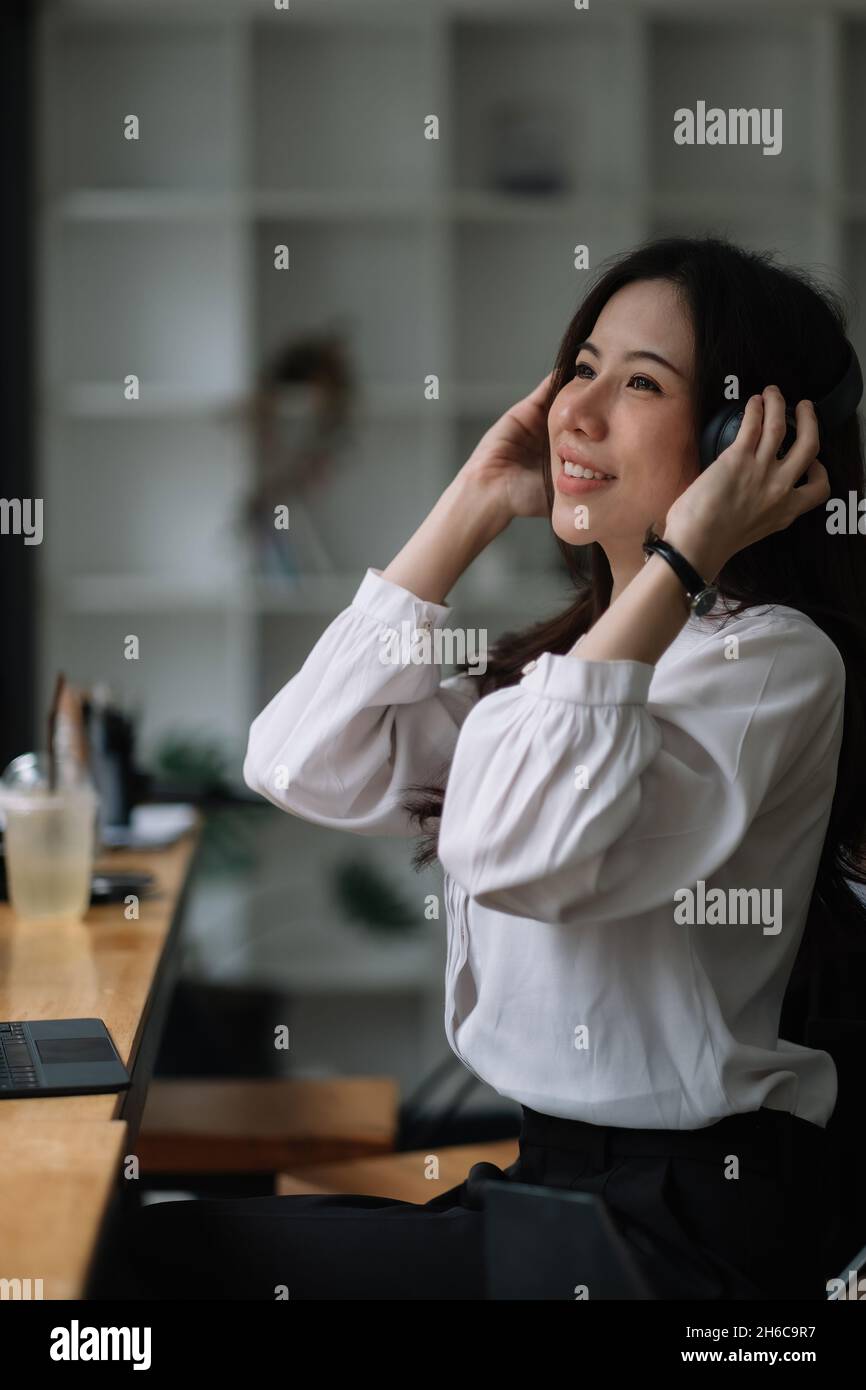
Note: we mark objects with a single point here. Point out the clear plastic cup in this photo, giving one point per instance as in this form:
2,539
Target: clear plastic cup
49,838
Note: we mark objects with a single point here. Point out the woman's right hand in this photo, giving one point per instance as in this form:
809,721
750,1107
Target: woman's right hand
508,458
500,480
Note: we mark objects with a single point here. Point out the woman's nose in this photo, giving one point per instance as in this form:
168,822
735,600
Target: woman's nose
580,408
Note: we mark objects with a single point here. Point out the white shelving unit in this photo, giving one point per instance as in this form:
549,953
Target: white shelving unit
306,127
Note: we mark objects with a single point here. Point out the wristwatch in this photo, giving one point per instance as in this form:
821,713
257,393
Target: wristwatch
701,596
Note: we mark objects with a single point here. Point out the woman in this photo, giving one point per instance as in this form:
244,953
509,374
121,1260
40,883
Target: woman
607,798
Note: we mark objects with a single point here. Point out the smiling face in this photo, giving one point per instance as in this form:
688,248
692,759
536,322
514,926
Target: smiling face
627,415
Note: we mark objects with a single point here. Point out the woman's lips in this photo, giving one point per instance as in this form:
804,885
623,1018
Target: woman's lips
575,487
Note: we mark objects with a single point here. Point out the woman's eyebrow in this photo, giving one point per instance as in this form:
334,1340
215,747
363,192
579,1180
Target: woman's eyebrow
629,356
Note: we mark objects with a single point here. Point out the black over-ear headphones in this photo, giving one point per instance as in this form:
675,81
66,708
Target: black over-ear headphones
831,411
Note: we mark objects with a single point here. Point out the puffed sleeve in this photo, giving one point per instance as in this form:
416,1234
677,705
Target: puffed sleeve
570,801
360,720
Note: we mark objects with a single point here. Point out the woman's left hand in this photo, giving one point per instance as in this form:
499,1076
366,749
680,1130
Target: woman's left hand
747,493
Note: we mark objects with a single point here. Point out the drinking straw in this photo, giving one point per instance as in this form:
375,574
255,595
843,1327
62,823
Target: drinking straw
52,722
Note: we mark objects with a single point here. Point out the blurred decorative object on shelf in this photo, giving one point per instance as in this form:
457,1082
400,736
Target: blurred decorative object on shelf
524,143
366,897
300,413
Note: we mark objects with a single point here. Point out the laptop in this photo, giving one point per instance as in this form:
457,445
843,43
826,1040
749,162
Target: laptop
551,1243
59,1057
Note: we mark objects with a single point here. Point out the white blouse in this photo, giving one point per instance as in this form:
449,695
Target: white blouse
603,826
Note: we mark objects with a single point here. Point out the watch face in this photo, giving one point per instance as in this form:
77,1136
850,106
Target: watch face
704,601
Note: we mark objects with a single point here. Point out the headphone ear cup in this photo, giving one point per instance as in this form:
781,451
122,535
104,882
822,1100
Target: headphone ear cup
723,428
718,433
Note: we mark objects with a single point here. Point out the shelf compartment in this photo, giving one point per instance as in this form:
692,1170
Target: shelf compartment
172,77
370,279
567,104
143,300
751,64
162,503
372,137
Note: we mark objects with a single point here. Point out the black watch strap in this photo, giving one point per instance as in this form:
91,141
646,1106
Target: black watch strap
701,595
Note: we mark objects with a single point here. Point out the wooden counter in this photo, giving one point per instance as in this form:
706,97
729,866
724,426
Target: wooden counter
61,1155
58,1179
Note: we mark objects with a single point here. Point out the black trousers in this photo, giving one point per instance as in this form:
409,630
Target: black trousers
744,1209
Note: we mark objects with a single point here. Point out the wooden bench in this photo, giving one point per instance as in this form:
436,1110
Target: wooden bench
208,1125
401,1175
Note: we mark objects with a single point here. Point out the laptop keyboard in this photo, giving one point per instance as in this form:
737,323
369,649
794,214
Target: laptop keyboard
17,1069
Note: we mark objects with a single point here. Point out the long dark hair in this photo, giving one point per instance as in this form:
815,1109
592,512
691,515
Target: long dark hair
765,323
